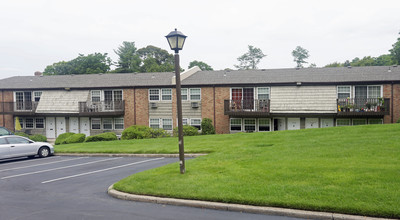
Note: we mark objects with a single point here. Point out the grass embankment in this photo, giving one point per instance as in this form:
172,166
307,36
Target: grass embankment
354,170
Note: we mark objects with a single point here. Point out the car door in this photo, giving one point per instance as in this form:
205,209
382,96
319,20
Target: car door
4,148
20,146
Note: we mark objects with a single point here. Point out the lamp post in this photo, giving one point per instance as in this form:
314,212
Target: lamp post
176,40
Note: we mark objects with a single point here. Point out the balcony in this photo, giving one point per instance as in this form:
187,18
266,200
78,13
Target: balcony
253,107
363,107
104,108
19,108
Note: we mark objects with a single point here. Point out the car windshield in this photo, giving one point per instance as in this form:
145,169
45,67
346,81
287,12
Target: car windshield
4,131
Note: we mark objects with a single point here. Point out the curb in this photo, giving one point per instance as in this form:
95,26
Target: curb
127,155
236,207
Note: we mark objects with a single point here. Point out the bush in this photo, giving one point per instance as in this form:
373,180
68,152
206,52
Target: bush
62,137
38,138
22,134
207,126
75,138
136,132
158,133
187,131
108,136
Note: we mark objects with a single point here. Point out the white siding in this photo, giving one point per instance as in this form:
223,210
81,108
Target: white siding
303,99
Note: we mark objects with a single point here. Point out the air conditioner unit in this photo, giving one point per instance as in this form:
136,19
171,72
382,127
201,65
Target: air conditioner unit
153,105
195,104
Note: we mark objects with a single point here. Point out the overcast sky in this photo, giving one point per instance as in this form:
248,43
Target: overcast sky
38,33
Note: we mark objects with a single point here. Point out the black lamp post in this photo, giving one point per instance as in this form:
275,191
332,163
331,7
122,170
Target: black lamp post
176,40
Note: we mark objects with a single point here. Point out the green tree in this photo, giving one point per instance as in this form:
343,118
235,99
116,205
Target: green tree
92,63
395,51
334,64
155,59
300,54
251,59
128,61
203,66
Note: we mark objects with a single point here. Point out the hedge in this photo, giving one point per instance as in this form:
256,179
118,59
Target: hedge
187,131
108,136
62,137
75,138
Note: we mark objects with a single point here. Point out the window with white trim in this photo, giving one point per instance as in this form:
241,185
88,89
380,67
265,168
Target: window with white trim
343,122
166,94
359,121
29,123
263,93
343,92
96,95
154,94
374,92
249,124
154,123
36,95
195,94
195,122
184,94
96,123
167,124
236,124
119,123
39,123
107,124
264,124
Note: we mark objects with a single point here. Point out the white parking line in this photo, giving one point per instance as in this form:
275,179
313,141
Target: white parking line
25,161
102,170
59,168
35,165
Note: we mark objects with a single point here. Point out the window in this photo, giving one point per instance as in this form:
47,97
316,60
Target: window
21,122
154,94
167,124
119,124
3,141
342,122
344,92
36,95
166,94
264,124
359,121
263,93
374,91
96,95
117,95
96,123
195,122
375,121
39,122
185,121
29,123
195,94
107,124
17,140
154,123
23,100
184,94
249,125
236,124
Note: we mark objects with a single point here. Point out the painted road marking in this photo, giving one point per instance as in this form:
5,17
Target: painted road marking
59,168
35,165
25,161
102,170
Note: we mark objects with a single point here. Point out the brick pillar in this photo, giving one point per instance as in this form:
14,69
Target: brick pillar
221,120
142,106
129,117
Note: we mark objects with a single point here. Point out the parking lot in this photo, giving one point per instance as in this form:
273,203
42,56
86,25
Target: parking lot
69,187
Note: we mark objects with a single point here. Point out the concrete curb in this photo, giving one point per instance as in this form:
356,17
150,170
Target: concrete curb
236,207
127,155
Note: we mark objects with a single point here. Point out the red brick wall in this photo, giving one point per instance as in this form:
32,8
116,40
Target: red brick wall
129,117
142,107
221,120
395,112
6,120
207,103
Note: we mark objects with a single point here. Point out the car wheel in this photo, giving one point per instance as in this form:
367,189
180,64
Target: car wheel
44,152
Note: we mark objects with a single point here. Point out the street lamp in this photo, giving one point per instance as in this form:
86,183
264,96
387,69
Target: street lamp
176,40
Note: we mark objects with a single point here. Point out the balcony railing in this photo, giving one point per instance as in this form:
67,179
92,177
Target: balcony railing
19,108
363,106
246,107
102,108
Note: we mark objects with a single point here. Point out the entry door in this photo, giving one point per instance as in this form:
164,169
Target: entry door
293,123
279,124
50,127
60,122
74,125
84,126
248,98
312,123
326,122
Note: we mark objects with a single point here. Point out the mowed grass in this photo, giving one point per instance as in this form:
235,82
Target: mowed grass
353,170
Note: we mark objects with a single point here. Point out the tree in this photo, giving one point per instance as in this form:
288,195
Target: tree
251,59
155,59
395,51
300,54
129,61
203,66
92,63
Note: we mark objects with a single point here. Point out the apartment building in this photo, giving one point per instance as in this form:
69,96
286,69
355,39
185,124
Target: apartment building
236,100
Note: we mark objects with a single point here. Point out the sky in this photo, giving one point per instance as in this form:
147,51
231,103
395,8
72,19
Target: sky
35,34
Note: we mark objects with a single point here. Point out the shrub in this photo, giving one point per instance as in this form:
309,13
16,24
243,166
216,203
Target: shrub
158,133
187,131
136,132
108,136
75,138
22,134
207,126
38,138
61,138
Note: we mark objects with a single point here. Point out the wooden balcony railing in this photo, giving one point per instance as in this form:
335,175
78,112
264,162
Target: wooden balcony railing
363,106
101,108
22,108
246,107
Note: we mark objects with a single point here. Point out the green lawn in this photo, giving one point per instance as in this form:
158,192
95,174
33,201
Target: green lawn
353,170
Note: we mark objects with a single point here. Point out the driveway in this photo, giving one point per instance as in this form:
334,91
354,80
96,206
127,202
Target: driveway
62,187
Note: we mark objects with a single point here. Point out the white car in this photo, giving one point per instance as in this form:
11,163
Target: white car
17,146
